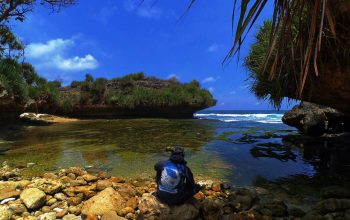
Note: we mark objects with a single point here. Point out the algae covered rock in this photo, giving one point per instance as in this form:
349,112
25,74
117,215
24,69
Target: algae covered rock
33,198
5,213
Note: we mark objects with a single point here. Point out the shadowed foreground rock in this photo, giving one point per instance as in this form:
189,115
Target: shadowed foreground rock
312,119
74,194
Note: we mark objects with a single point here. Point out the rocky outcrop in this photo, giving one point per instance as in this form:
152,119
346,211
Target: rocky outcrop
312,119
43,119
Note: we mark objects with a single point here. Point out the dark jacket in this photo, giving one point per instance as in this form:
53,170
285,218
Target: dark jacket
186,187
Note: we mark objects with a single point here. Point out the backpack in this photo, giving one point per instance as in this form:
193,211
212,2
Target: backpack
172,177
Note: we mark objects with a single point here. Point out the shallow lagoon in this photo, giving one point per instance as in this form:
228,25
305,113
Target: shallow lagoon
236,152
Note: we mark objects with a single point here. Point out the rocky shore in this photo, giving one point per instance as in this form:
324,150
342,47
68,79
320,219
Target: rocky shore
73,194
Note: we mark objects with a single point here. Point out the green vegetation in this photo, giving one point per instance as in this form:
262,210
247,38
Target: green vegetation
262,86
137,90
22,83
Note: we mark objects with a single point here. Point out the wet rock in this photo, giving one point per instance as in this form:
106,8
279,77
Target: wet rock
103,184
49,186
199,196
47,216
275,208
78,171
332,205
105,201
125,190
50,176
5,213
212,209
243,199
335,192
216,187
314,119
73,182
33,198
89,178
71,217
206,184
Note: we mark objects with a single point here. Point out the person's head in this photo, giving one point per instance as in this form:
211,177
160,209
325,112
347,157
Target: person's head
178,151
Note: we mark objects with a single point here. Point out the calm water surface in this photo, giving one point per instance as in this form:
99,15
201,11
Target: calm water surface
238,147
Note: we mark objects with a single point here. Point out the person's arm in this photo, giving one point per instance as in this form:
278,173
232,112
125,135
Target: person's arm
189,178
158,167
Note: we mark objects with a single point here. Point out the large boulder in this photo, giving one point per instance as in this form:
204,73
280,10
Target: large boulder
151,208
33,198
312,119
105,201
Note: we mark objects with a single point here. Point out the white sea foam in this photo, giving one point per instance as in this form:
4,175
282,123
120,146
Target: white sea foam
272,118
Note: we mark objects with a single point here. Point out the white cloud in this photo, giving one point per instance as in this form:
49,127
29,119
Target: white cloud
173,76
214,47
105,14
144,10
76,63
53,55
37,50
210,79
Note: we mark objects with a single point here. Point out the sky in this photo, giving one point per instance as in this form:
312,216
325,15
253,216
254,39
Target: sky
112,38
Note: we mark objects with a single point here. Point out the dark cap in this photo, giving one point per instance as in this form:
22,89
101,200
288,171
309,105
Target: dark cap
178,151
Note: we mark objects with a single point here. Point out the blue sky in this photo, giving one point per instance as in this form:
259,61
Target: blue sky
114,38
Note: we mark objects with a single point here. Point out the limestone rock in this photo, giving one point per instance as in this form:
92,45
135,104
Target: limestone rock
9,193
151,208
71,217
47,216
105,201
33,198
112,216
49,186
5,213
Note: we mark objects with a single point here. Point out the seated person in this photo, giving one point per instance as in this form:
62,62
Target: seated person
174,179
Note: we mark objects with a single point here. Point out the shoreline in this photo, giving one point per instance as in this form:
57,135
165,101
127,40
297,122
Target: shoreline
74,193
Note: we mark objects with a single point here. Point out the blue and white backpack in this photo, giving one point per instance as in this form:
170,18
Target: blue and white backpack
172,177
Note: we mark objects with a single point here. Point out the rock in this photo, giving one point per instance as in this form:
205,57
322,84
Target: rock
103,184
199,196
17,207
126,190
216,187
76,210
76,171
50,176
335,192
9,193
332,205
275,208
296,212
71,217
62,213
5,213
89,178
60,196
49,186
33,198
74,200
151,208
112,216
314,119
133,202
105,201
51,201
212,209
206,184
36,119
123,212
45,209
243,199
47,216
